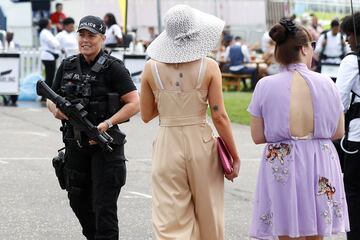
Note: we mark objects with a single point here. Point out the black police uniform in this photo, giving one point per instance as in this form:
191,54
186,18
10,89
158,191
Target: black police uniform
94,177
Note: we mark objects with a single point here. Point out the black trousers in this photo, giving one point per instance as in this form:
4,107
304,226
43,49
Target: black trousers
93,180
49,71
352,189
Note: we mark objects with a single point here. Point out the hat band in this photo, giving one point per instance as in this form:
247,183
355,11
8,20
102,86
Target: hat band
184,38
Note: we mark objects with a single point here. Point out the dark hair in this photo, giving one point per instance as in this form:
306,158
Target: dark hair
58,4
289,38
237,38
68,21
43,23
334,23
347,25
111,19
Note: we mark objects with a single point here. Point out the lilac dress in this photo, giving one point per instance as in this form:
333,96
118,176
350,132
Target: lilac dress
300,190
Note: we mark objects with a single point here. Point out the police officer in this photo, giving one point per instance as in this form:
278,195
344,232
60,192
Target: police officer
94,177
348,83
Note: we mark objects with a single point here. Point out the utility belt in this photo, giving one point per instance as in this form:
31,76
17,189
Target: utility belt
74,137
325,57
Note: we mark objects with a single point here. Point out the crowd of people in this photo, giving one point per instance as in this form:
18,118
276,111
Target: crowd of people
257,59
300,192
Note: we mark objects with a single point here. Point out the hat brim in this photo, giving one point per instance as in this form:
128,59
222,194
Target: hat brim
88,29
164,49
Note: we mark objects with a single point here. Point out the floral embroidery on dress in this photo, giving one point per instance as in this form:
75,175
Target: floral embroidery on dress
326,214
267,218
278,151
325,188
326,147
334,207
337,209
279,168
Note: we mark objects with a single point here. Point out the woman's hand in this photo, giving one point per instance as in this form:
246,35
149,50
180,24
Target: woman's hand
55,111
235,172
59,114
102,127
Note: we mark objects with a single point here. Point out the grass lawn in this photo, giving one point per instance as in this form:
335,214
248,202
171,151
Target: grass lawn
236,104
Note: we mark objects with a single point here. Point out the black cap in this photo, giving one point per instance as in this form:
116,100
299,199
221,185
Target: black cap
92,24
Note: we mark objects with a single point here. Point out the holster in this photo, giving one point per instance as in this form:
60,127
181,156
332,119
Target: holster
59,164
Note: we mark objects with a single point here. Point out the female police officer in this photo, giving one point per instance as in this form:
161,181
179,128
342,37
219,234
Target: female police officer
94,177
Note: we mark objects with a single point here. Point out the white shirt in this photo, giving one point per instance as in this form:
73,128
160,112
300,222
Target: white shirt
68,42
111,32
265,41
333,47
348,80
48,42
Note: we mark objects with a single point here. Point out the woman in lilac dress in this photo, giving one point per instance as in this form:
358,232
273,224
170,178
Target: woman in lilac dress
300,192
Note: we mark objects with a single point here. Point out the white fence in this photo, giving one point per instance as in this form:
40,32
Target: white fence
29,61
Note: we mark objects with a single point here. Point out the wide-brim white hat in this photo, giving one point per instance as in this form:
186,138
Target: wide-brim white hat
188,36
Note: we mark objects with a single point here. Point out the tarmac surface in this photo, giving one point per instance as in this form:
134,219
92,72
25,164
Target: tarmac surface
33,207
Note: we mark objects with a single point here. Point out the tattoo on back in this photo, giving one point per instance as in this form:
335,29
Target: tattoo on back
215,108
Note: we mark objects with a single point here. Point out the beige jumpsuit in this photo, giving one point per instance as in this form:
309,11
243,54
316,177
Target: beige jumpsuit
187,178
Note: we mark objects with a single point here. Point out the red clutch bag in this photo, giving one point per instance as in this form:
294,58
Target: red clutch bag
224,156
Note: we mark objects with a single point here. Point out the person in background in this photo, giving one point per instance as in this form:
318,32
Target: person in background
331,47
178,84
94,177
237,55
67,38
10,44
113,34
50,48
348,83
152,36
315,26
265,41
300,191
272,67
57,17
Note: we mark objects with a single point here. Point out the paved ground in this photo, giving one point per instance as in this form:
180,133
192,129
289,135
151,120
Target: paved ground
32,206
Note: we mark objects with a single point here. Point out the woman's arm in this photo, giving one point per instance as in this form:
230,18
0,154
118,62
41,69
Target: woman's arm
257,130
148,107
219,115
130,108
340,130
55,111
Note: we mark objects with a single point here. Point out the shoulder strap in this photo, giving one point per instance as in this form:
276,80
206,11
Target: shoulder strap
156,75
342,44
325,38
202,71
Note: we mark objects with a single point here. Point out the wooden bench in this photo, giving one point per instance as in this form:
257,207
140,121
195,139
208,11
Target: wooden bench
233,80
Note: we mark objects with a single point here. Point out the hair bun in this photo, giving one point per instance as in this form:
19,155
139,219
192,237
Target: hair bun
278,33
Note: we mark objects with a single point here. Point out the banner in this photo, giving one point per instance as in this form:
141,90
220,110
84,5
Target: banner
9,73
123,10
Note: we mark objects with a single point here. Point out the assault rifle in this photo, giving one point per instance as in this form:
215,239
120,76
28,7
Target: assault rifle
77,116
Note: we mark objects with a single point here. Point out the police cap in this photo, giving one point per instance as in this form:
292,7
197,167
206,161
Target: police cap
93,24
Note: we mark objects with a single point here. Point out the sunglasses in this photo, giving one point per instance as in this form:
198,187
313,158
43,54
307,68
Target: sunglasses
313,44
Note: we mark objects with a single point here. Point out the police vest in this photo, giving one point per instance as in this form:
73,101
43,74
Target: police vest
89,88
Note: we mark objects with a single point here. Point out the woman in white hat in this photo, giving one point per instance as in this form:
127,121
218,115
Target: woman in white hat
177,84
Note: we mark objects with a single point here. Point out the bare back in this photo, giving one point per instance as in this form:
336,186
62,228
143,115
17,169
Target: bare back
301,107
182,76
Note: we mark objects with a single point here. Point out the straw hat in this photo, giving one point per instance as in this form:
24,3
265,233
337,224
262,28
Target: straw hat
188,36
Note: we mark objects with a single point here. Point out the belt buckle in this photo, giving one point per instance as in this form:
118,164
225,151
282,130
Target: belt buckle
79,144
